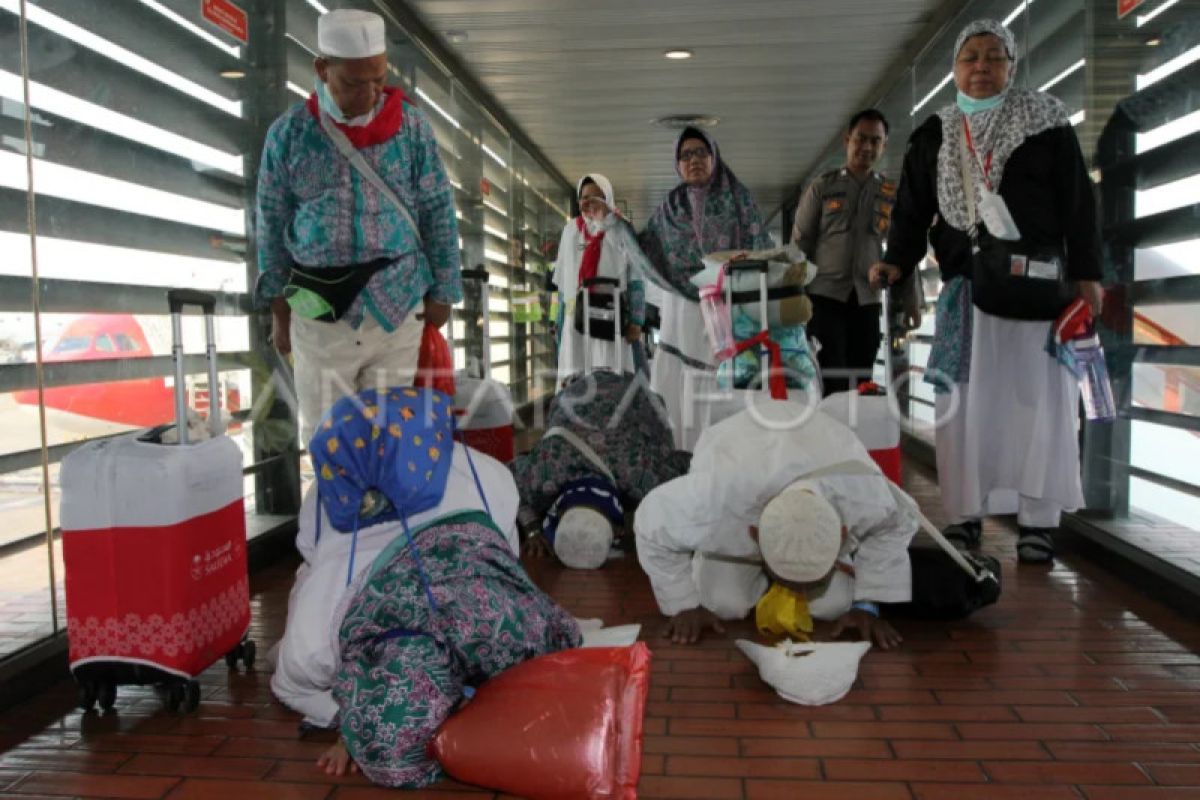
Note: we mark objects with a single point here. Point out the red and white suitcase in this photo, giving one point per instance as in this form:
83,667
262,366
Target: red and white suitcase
154,543
484,406
870,417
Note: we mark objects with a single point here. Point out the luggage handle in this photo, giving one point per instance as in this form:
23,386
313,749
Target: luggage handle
480,275
176,300
748,265
617,285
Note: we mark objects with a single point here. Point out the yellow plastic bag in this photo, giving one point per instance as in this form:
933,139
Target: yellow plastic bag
783,612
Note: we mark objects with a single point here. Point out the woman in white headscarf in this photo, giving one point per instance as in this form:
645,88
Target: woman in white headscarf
597,244
998,183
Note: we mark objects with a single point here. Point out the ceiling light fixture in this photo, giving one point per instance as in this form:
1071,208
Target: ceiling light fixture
232,74
678,54
681,121
1154,41
456,37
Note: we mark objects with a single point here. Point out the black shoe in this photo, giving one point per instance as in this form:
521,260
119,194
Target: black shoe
964,535
1035,545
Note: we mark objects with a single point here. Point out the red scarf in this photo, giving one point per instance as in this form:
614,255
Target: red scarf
590,264
385,124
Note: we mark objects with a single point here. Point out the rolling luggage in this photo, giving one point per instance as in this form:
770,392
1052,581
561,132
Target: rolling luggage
484,406
872,412
154,543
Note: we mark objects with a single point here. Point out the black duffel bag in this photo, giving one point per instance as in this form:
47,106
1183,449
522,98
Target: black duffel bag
943,589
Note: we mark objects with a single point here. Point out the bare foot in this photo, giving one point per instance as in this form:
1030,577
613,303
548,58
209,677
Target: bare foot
336,760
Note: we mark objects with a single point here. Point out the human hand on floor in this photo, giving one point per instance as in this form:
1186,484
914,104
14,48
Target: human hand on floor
534,547
686,627
870,629
336,760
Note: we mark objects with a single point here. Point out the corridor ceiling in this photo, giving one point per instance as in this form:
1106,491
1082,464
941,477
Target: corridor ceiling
586,78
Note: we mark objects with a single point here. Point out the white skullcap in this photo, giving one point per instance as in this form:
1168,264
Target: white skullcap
800,534
349,33
583,538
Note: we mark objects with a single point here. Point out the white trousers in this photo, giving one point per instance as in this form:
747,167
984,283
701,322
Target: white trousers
333,360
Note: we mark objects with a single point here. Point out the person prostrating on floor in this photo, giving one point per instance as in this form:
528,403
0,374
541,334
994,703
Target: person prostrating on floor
778,497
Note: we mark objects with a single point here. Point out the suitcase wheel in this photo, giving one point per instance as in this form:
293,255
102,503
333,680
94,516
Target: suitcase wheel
108,696
88,694
246,651
93,692
185,696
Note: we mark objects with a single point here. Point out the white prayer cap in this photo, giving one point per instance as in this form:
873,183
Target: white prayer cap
583,538
349,33
800,534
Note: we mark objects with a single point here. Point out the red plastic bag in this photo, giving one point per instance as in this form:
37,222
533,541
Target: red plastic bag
563,726
435,362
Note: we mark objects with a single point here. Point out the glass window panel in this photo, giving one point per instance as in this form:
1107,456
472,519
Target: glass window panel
1167,387
1167,324
1168,261
1153,500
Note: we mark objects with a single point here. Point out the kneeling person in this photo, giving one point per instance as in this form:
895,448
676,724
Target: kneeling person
429,599
778,493
607,444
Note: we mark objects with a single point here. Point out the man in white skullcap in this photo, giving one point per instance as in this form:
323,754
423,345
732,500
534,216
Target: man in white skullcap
352,256
778,493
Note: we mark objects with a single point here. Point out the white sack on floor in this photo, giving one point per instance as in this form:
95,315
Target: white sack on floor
811,674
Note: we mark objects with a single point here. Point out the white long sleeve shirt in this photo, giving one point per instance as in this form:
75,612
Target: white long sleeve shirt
739,465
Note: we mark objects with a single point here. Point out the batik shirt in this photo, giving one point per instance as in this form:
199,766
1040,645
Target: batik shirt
315,210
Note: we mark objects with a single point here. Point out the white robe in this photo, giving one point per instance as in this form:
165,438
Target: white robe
614,263
308,656
740,464
1011,445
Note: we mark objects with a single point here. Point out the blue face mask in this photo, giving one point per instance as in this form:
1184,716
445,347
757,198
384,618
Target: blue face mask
325,101
970,105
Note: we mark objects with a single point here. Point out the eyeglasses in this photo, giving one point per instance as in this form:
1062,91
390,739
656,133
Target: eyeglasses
700,153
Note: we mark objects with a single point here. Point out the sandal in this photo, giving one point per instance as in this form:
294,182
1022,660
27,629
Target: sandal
1034,545
964,535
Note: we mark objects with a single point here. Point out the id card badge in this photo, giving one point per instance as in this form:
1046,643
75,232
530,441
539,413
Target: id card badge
995,215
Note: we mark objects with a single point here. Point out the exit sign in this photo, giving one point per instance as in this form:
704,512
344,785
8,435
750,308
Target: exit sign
228,17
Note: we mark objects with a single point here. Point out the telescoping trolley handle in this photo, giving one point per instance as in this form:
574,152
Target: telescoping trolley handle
617,287
177,299
761,267
888,377
481,275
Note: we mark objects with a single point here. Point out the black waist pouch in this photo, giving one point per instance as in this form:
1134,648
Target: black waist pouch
1017,280
325,294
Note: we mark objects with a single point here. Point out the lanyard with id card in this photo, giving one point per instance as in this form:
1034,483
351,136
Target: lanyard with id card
992,208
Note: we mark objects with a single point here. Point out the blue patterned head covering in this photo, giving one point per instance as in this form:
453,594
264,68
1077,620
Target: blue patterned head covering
593,492
396,442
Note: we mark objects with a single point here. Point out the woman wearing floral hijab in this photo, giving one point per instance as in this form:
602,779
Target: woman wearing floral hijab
710,211
1000,171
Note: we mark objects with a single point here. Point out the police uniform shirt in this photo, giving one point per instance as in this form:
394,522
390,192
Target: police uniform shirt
841,224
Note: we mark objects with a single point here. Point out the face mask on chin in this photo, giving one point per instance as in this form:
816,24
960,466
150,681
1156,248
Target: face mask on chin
327,105
970,105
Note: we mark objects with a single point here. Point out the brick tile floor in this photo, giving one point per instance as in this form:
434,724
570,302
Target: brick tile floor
1074,686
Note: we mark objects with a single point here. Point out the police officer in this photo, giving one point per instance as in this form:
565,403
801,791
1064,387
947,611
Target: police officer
841,224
